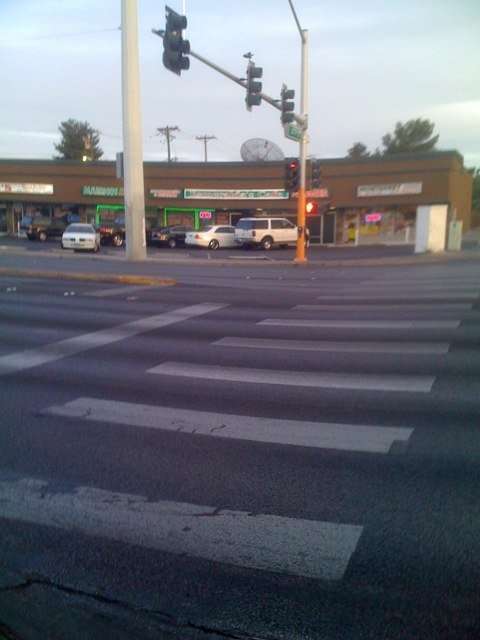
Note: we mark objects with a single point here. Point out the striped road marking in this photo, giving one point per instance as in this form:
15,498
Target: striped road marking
362,324
321,435
395,295
434,307
14,362
434,348
309,548
327,380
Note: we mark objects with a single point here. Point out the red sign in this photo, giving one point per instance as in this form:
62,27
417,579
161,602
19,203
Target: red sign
373,217
314,193
205,215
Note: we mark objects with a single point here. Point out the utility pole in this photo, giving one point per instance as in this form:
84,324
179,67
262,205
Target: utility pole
303,144
205,139
167,132
134,188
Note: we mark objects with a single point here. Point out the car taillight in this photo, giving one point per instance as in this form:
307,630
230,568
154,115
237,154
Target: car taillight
197,236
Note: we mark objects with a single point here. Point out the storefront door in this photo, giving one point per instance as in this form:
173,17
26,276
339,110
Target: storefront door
328,228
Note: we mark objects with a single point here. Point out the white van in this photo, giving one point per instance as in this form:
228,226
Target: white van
265,232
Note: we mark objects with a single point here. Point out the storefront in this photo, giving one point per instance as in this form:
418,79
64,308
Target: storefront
368,201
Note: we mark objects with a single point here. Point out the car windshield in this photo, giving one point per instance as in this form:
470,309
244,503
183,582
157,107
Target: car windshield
80,228
206,229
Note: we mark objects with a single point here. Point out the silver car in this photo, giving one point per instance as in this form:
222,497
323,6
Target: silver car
81,237
214,237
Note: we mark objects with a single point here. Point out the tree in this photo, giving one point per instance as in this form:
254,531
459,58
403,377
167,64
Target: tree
475,188
358,151
412,137
79,141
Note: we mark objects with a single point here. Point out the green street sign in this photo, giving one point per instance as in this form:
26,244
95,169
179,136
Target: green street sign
292,132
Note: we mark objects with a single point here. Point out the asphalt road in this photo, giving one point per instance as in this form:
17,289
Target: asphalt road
255,453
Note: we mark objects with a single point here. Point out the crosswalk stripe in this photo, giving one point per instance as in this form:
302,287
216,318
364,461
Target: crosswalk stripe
14,362
321,435
434,307
326,380
419,287
395,295
434,348
362,324
300,547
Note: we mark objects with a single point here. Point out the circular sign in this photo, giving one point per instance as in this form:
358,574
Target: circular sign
205,215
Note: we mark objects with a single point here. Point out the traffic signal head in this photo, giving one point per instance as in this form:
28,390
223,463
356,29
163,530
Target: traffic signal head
254,88
292,175
311,207
174,46
288,106
316,174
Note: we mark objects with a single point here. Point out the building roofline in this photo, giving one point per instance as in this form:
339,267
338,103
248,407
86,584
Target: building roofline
395,157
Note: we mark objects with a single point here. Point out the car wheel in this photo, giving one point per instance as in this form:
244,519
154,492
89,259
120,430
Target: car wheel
42,236
213,245
267,243
172,243
117,240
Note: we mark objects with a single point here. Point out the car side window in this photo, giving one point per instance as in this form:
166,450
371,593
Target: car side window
287,224
260,224
277,224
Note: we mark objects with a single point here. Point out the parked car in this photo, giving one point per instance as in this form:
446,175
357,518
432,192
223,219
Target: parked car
212,237
42,227
81,237
265,232
170,236
114,232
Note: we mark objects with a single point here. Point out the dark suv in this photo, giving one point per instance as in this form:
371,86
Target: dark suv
114,232
41,227
170,236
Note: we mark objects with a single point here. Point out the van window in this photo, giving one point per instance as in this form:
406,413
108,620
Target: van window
252,224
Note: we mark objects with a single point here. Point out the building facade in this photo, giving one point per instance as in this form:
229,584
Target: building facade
366,201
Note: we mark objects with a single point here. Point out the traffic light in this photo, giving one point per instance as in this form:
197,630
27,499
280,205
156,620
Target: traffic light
316,174
287,105
174,46
254,88
311,207
292,175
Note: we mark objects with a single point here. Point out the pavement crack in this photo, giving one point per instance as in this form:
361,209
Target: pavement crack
222,426
160,616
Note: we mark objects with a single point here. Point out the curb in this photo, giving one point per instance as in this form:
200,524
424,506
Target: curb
91,277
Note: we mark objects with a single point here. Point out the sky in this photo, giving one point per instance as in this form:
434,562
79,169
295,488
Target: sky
372,63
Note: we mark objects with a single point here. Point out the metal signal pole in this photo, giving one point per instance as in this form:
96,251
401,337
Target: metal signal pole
134,189
303,145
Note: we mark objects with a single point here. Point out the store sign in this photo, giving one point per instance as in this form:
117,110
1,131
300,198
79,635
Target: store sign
164,193
373,217
322,192
400,189
205,215
235,194
26,187
103,192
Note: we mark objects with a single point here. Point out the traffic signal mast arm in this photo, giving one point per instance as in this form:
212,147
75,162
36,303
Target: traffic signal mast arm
243,83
